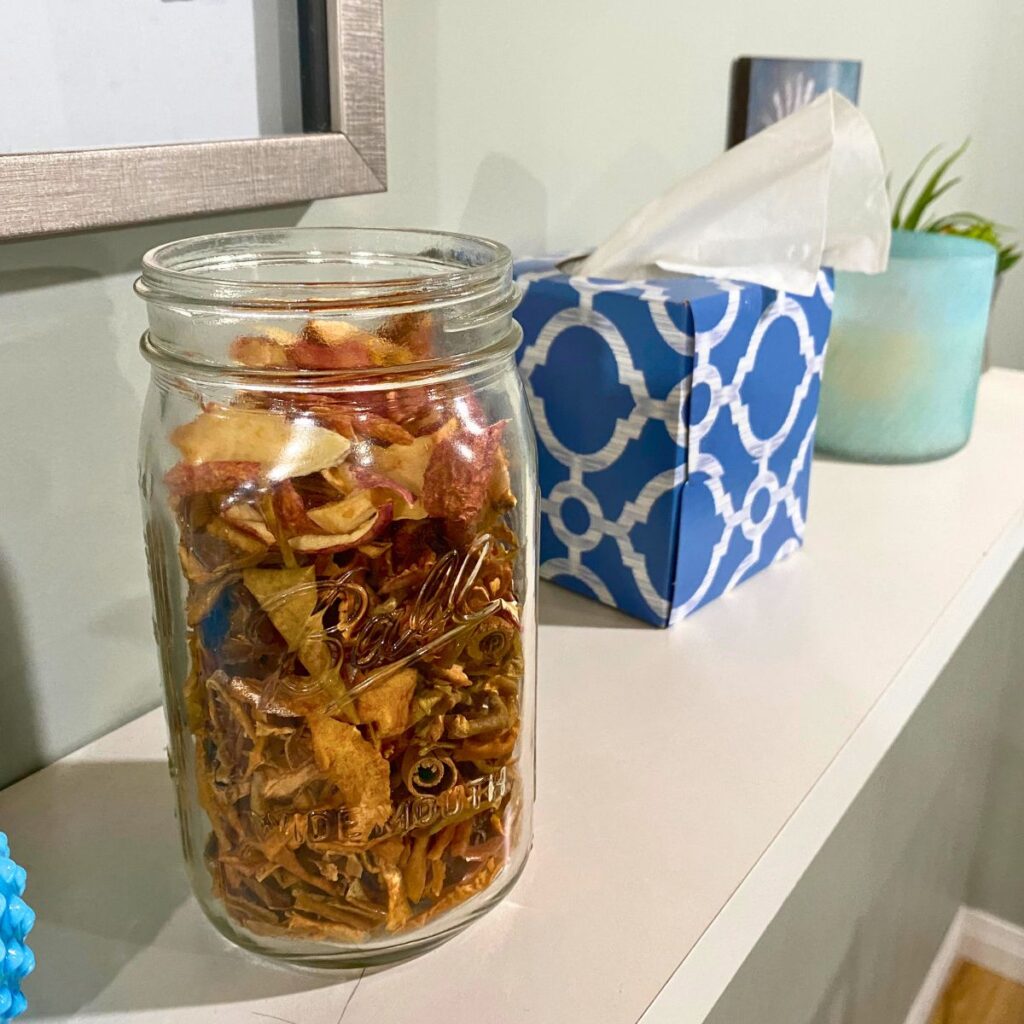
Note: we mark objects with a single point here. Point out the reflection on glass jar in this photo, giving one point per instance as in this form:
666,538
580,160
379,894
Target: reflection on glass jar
338,477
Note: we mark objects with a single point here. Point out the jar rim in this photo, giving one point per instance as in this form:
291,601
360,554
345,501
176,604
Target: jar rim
357,274
215,269
362,379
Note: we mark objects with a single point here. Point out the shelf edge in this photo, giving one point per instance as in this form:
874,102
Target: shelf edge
691,992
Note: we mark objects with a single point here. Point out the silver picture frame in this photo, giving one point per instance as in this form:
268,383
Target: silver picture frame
56,192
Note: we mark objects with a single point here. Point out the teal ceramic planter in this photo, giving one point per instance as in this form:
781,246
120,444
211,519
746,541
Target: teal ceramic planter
905,352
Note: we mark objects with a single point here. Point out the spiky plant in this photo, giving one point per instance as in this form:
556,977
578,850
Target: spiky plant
964,224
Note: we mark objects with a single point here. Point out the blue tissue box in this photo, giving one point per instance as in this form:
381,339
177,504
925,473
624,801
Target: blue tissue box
675,426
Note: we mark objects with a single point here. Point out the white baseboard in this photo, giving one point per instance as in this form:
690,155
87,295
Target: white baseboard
994,944
938,974
974,935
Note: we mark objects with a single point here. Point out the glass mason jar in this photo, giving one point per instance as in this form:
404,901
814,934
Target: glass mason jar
338,477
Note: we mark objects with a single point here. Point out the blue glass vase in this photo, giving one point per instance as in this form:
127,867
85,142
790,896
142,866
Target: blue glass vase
905,351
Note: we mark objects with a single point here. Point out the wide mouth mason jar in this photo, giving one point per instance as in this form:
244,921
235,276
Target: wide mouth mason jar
338,478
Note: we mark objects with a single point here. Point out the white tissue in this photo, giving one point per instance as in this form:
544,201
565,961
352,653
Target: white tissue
807,192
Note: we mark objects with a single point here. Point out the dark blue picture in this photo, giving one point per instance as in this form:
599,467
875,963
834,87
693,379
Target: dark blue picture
767,89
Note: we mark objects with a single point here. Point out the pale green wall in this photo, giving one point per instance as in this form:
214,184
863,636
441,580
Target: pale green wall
76,648
538,122
997,879
545,122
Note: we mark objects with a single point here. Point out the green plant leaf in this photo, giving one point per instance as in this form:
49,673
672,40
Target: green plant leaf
962,223
1008,257
897,213
933,189
912,221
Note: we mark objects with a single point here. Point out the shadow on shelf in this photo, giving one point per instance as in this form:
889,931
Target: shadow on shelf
21,751
117,928
557,606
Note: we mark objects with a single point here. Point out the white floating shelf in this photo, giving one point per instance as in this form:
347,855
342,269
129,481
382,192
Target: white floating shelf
687,778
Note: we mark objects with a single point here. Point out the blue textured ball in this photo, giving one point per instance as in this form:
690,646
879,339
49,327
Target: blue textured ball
16,920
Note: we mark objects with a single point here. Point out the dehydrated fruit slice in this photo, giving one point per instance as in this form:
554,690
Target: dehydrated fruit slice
337,333
386,702
356,768
365,476
241,539
259,351
347,515
283,447
288,596
290,508
366,531
249,519
184,479
413,331
458,476
406,464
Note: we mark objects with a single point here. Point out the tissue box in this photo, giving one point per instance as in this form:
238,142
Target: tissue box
675,426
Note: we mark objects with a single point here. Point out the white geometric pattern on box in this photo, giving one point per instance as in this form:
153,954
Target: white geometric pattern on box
645,408
759,449
627,343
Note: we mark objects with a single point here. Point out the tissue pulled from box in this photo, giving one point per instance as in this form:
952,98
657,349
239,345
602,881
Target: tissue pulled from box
808,192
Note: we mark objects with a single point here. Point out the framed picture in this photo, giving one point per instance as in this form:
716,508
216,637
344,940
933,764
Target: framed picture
143,110
767,89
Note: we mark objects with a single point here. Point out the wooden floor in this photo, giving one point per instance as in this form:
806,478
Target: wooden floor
977,996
